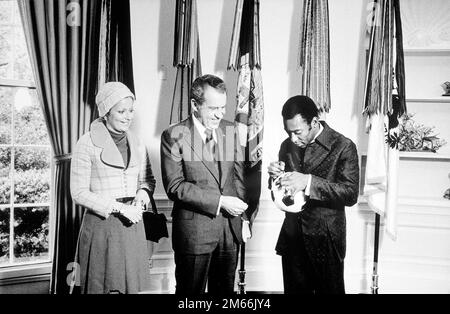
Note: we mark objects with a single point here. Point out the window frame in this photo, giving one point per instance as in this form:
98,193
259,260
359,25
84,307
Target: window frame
16,272
12,205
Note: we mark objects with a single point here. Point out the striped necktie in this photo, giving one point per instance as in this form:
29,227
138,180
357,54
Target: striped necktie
209,142
212,150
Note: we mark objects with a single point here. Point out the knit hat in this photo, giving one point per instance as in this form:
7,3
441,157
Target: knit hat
109,95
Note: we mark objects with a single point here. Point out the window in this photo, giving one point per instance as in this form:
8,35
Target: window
24,151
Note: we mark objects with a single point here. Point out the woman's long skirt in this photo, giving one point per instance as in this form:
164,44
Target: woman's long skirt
113,256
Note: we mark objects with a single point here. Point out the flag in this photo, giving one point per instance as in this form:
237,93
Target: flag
384,104
314,53
249,122
186,57
381,181
249,118
245,56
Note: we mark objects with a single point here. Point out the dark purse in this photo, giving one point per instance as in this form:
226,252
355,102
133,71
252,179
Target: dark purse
155,224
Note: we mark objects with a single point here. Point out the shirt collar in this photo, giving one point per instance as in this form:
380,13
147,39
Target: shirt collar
318,133
327,137
201,129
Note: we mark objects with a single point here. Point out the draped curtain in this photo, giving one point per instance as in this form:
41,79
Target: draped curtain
115,57
63,39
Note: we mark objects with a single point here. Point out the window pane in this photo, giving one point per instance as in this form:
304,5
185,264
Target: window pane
14,60
31,158
29,124
6,36
32,175
5,179
6,12
30,234
4,236
21,124
5,114
21,62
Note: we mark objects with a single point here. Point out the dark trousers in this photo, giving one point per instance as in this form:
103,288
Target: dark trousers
216,269
302,275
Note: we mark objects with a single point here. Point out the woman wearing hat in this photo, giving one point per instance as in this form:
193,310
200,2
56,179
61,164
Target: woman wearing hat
111,177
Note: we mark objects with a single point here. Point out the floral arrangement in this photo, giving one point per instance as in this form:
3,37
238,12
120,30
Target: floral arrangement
417,137
446,87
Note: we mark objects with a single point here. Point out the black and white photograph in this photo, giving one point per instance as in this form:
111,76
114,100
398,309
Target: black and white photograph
227,154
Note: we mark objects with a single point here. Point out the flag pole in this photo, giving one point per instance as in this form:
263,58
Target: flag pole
241,283
245,56
374,287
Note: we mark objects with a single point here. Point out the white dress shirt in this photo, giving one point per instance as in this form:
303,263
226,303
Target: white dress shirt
202,130
246,233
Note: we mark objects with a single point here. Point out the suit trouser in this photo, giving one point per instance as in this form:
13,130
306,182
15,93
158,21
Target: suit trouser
216,269
302,275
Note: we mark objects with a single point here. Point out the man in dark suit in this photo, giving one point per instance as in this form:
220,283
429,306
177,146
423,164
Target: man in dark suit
205,181
324,164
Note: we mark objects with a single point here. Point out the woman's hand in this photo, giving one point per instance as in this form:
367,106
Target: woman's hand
132,212
141,199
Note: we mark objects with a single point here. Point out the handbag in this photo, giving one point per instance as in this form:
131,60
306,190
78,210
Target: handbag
155,224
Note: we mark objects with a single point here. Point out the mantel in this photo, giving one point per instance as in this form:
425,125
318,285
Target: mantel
424,155
427,51
442,99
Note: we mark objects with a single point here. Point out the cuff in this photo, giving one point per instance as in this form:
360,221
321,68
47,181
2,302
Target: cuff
150,193
218,207
308,186
113,207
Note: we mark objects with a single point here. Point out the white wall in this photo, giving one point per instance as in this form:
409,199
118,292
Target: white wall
152,35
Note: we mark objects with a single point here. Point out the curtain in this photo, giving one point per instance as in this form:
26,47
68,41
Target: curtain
63,39
115,57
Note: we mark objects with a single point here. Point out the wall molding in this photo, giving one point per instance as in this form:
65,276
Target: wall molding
25,274
394,269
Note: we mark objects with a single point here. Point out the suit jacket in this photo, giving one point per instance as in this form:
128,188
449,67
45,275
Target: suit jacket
332,160
192,181
98,175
